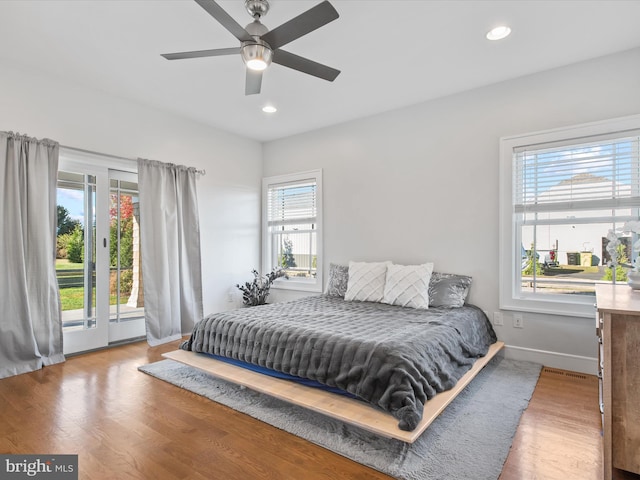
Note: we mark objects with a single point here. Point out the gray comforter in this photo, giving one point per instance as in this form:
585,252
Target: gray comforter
392,357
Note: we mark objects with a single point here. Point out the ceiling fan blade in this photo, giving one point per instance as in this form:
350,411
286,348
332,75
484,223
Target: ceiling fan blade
201,53
225,20
305,65
304,23
253,82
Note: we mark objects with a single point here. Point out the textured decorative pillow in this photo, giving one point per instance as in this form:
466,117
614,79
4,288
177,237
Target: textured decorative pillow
448,289
366,281
408,285
338,280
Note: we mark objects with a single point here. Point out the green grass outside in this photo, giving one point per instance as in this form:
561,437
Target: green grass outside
565,269
64,264
579,268
591,269
73,298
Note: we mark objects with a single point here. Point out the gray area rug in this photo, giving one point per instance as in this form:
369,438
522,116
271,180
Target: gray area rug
469,440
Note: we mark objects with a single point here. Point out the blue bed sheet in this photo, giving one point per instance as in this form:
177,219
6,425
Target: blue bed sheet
285,376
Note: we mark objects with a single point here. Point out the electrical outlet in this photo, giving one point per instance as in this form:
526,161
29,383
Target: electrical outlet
230,296
518,321
497,318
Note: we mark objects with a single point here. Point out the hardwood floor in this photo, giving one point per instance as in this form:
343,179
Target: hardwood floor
560,433
125,424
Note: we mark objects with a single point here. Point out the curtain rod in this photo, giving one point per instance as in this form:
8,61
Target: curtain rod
116,157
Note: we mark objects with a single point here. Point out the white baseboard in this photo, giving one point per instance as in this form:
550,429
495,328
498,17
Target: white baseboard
563,361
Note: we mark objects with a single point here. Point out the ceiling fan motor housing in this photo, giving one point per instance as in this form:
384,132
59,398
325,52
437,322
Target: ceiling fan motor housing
256,29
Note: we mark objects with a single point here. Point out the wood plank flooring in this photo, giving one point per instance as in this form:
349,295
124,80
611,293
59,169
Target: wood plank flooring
127,425
560,433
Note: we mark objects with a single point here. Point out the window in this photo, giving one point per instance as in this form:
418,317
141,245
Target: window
292,229
561,193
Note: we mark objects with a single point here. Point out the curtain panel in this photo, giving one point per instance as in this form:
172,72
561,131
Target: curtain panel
170,245
31,320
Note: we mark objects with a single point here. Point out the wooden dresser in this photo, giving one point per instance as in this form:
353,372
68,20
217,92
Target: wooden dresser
618,327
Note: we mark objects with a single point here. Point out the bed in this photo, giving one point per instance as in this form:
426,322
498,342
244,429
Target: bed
395,359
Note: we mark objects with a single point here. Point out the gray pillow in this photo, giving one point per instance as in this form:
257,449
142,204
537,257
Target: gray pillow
448,289
338,280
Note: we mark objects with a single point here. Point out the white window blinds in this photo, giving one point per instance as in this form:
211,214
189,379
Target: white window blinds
599,174
292,203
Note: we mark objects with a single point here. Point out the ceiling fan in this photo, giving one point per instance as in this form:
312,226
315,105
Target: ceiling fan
259,46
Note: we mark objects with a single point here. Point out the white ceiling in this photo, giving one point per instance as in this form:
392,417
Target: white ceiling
391,53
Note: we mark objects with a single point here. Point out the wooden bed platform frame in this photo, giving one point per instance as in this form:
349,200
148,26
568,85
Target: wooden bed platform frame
333,405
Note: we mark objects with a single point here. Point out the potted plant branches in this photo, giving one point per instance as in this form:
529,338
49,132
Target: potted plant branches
256,292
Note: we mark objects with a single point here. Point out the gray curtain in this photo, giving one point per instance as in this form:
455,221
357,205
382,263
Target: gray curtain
30,320
170,246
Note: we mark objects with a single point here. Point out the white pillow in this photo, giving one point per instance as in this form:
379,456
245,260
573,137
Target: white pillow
408,285
366,281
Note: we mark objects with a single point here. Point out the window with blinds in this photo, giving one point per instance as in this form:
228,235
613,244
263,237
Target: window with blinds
591,176
568,190
292,222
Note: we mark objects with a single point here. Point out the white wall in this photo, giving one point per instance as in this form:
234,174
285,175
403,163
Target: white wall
228,195
421,184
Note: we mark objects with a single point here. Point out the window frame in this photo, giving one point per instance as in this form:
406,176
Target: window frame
293,283
510,265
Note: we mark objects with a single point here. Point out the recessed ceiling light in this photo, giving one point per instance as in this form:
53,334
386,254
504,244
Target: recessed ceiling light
498,33
269,109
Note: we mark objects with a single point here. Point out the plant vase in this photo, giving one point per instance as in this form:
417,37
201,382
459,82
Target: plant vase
633,279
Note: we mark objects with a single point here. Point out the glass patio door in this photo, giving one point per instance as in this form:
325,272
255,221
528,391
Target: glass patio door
126,296
95,255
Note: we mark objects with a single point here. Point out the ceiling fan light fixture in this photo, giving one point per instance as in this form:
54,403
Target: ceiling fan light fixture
256,56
